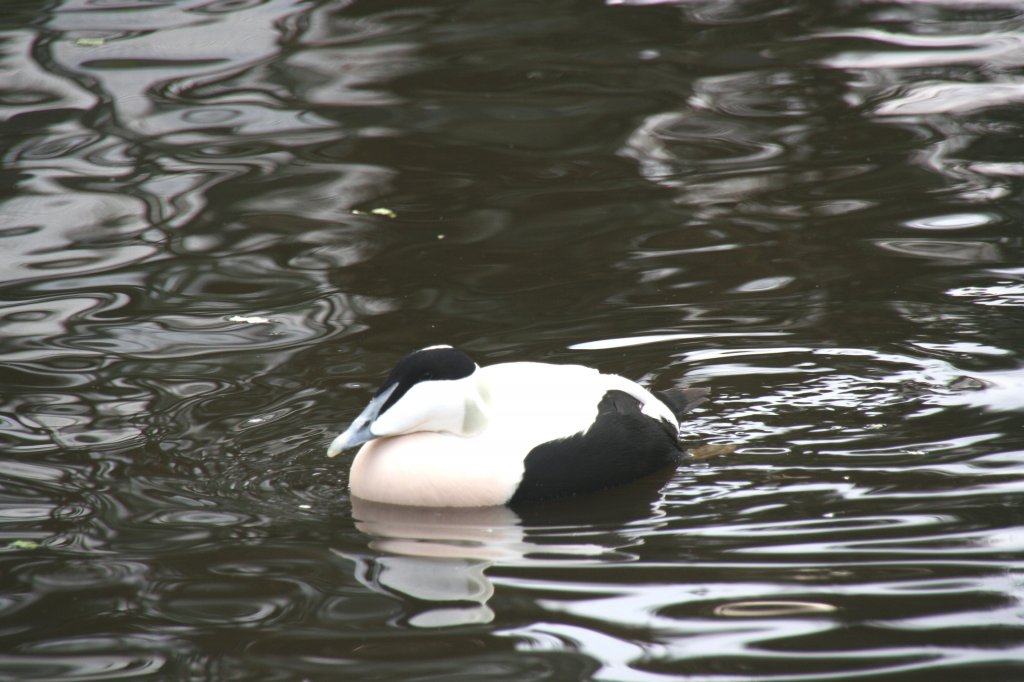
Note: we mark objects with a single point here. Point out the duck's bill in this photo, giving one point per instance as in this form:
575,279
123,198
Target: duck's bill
357,434
361,429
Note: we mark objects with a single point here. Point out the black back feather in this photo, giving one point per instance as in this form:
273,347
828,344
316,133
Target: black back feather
682,400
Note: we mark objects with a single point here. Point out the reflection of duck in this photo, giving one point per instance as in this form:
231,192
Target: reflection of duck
439,557
443,432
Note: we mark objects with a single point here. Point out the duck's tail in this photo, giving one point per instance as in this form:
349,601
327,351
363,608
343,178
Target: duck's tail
682,400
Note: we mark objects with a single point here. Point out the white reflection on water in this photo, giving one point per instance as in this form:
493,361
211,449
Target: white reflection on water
933,49
1004,294
604,344
945,98
952,221
963,251
440,556
436,556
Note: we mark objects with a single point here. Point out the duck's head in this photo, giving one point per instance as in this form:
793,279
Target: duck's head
432,389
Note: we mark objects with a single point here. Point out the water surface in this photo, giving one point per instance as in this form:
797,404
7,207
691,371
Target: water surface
224,221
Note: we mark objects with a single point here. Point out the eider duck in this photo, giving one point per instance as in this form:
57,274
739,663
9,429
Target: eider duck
443,432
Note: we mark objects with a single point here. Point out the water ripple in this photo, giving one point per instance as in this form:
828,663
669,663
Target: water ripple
224,220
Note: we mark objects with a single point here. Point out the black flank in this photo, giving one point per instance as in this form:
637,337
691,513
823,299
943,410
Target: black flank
623,444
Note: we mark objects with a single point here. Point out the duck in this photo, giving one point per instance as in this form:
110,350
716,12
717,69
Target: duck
441,431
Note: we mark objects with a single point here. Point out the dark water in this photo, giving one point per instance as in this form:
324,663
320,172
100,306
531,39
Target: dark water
222,221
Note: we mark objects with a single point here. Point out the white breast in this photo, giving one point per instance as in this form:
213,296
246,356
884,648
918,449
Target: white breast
436,470
530,403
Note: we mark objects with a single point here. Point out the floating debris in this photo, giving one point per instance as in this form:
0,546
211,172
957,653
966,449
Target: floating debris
90,42
23,544
703,452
